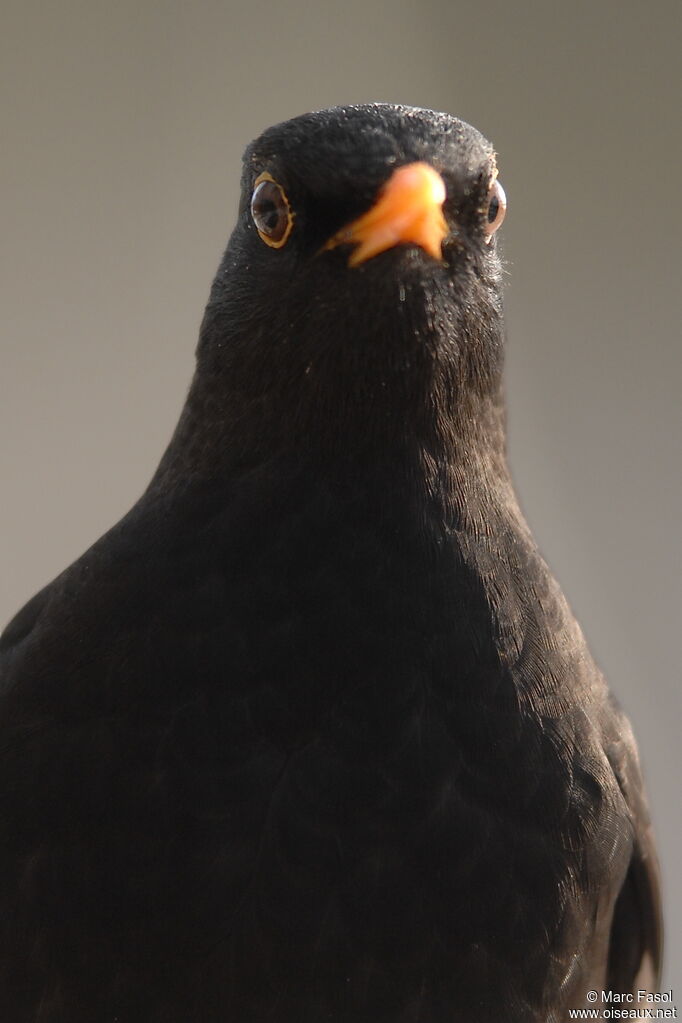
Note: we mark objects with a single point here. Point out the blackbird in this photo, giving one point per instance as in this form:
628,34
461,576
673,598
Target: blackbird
312,734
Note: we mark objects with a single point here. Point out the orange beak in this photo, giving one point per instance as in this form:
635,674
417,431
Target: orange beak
408,211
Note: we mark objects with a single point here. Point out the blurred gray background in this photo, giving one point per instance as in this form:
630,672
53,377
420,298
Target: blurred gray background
121,136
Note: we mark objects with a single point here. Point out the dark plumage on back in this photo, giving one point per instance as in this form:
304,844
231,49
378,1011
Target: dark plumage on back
311,734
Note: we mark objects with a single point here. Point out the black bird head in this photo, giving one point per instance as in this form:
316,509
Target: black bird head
357,306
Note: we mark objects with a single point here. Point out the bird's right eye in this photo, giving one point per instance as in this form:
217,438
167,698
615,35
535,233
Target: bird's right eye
271,211
495,210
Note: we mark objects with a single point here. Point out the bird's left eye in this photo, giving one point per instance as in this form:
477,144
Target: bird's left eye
495,209
271,211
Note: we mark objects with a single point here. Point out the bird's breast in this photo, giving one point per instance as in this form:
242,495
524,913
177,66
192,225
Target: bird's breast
306,739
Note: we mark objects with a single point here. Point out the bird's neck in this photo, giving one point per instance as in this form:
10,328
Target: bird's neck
416,398
452,461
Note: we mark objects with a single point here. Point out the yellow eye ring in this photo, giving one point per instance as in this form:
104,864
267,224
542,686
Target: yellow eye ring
270,211
495,210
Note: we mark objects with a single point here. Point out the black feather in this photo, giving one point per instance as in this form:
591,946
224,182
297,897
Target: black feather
311,734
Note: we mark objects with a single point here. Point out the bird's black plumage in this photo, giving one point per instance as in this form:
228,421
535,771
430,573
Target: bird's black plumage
311,734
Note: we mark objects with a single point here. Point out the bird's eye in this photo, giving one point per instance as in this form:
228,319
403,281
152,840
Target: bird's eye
495,209
271,211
